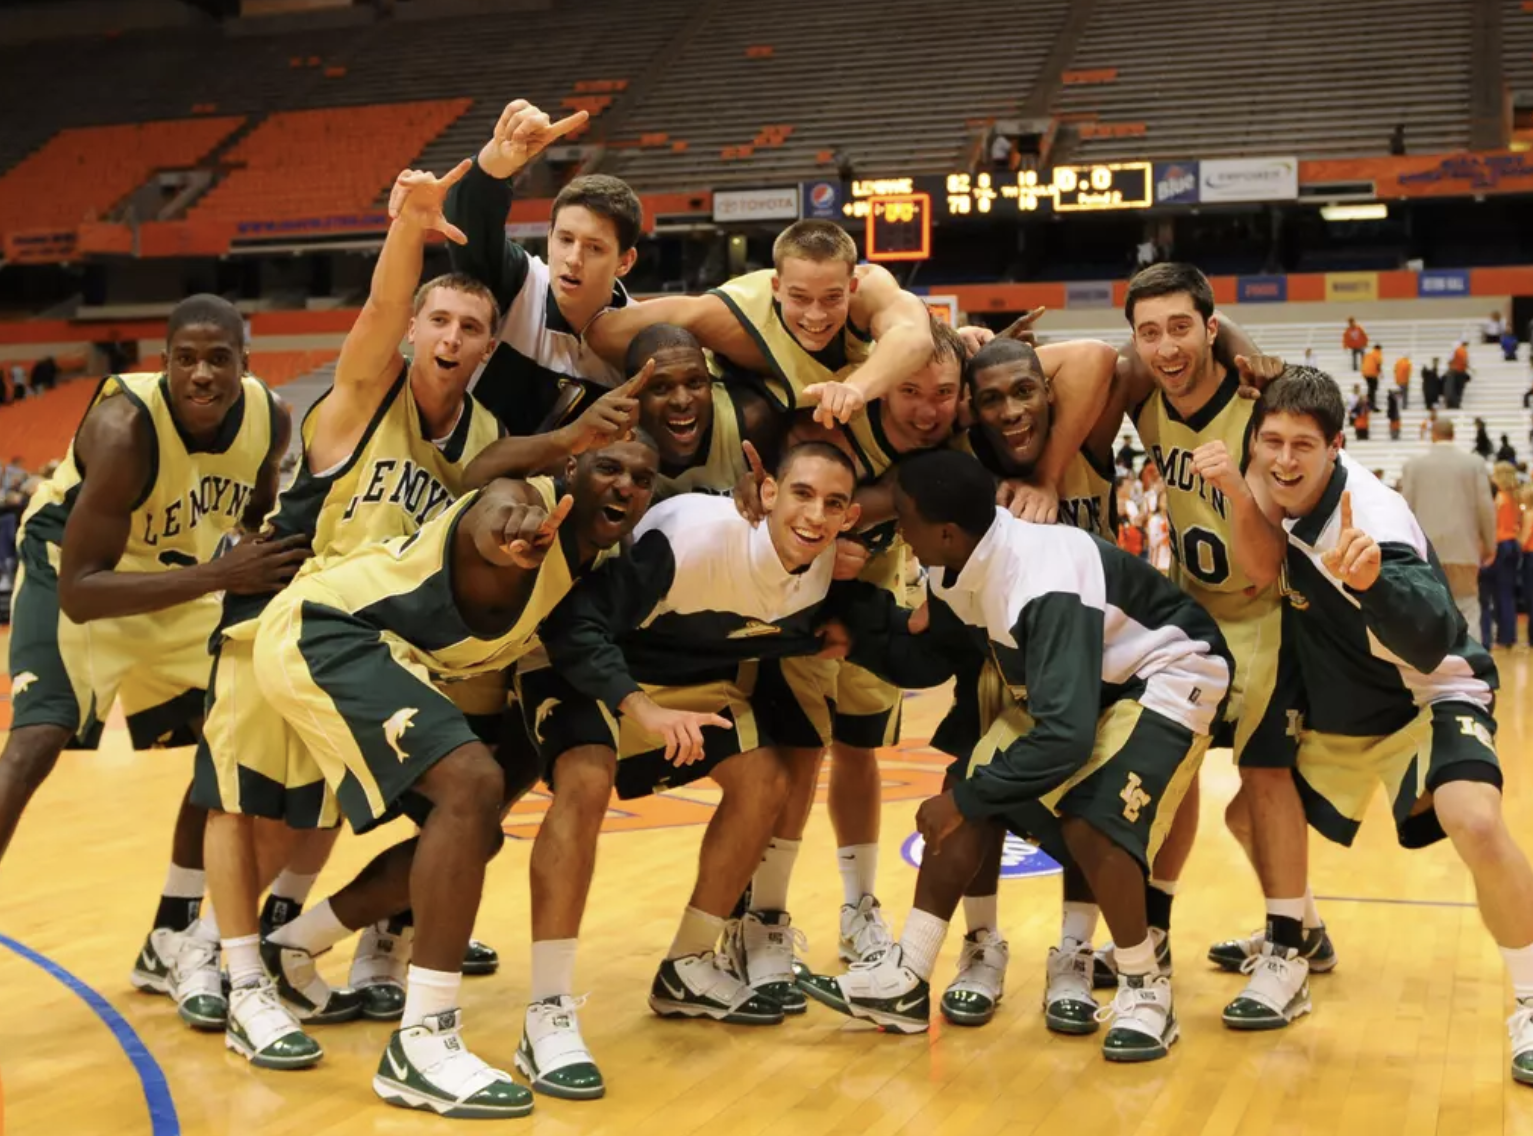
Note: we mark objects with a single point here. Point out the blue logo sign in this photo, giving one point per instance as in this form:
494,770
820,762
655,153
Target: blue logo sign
1433,282
1019,859
1261,289
821,200
1176,183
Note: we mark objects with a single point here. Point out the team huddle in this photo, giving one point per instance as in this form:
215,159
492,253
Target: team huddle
719,536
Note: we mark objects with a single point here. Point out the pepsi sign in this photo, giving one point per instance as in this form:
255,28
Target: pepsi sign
822,200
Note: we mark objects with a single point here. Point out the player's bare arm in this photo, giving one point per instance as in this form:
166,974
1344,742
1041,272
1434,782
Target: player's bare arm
708,318
115,452
899,324
1081,376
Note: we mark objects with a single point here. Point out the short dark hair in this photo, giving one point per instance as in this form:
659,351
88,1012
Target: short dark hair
606,196
459,282
823,450
656,337
1170,278
1304,390
950,487
999,351
206,308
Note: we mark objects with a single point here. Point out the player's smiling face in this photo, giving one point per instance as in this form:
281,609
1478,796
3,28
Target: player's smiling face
808,508
203,363
451,335
1014,406
612,488
676,407
816,298
585,259
920,411
1175,343
1294,458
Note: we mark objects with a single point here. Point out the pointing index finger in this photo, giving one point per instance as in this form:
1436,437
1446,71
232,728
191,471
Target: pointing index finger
551,524
1346,509
636,384
565,125
455,175
753,460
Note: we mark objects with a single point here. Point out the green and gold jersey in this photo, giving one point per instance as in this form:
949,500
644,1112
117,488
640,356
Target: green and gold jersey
1087,497
193,495
404,588
720,460
1202,527
395,480
751,300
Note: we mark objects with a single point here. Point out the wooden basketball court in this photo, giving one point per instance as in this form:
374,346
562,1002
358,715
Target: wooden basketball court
1407,1037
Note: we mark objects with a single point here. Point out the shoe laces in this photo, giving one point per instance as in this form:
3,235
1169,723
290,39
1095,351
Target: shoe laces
1131,1003
262,1015
990,953
870,934
872,960
1069,973
1272,976
1520,1026
195,953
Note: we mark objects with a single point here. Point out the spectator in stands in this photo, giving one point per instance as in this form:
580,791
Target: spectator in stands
1373,367
1506,453
45,374
1397,140
1509,346
1494,328
1447,490
1432,384
1000,152
1428,423
1482,444
1403,380
18,382
1508,549
1354,339
846,169
1458,375
1525,540
1392,412
1127,454
1358,414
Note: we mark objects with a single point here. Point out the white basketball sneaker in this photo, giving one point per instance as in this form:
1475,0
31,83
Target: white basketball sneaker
553,1056
863,930
972,997
428,1067
880,989
379,970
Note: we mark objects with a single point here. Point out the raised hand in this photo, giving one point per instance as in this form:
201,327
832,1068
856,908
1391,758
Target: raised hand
1021,328
417,199
1355,560
523,133
838,401
851,559
1212,462
529,531
1256,371
1036,503
974,337
612,417
747,491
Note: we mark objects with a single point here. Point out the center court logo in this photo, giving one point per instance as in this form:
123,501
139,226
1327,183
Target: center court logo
1019,859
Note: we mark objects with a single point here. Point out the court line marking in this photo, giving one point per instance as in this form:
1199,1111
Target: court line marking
1397,902
163,1120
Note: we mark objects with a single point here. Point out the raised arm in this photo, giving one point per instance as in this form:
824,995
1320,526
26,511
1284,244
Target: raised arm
900,326
1260,544
708,318
115,449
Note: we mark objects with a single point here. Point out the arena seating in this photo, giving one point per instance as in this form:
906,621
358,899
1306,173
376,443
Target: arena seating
1308,78
1517,47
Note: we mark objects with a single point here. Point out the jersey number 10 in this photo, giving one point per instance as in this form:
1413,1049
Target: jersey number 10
1202,555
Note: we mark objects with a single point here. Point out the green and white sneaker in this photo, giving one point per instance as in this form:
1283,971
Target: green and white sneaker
880,989
312,999
1104,965
480,958
1068,1005
151,969
428,1067
553,1056
704,986
1520,1026
1143,1019
379,969
863,930
971,998
1277,993
264,1032
196,983
1317,950
762,947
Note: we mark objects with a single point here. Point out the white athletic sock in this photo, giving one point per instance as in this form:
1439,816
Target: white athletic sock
244,958
859,871
428,992
1288,908
1311,912
206,927
553,968
1079,923
1167,886
699,932
769,886
921,940
315,931
184,883
982,912
291,885
1519,964
1134,960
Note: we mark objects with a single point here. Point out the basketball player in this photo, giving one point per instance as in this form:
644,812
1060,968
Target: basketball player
348,655
1189,413
1395,691
544,374
1070,623
384,451
653,684
118,582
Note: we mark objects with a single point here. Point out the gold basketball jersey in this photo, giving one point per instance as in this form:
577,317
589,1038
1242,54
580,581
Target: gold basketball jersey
193,497
722,465
751,300
1087,498
403,587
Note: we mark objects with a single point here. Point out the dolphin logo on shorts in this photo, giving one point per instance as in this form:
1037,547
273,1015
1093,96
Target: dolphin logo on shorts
394,729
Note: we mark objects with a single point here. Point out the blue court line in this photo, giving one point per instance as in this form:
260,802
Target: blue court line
162,1110
1397,902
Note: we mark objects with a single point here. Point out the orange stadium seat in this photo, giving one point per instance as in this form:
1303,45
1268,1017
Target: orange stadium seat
277,368
323,163
39,427
82,173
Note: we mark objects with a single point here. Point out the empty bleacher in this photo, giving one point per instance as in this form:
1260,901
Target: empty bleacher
1248,77
1517,47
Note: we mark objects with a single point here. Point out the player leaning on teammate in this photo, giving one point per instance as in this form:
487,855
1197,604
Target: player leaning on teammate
119,574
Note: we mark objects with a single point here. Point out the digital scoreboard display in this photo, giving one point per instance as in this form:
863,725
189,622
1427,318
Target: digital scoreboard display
899,227
1087,188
